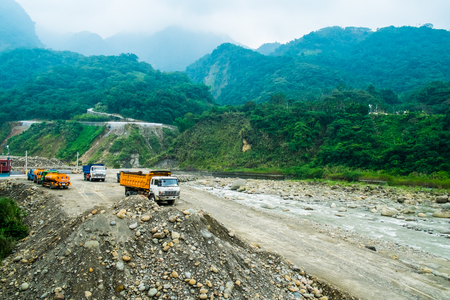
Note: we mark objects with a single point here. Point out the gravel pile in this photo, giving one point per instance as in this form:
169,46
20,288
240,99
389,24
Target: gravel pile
139,250
36,162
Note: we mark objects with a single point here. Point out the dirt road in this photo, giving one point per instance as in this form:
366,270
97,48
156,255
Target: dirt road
361,272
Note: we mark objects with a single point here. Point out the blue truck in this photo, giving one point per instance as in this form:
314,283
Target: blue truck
30,174
94,172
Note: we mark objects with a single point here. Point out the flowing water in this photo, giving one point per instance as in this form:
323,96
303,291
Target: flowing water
431,235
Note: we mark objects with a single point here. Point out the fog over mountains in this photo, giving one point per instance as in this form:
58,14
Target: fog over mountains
171,49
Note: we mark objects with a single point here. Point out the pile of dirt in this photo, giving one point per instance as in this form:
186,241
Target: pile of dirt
139,250
18,162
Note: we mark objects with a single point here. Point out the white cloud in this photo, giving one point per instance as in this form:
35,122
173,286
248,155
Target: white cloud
251,22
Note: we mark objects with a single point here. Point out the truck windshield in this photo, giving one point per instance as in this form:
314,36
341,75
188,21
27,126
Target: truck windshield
98,168
169,182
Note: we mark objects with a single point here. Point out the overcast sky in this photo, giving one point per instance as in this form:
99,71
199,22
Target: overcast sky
250,22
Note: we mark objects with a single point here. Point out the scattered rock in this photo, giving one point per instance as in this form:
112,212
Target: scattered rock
91,244
442,199
388,212
237,184
443,213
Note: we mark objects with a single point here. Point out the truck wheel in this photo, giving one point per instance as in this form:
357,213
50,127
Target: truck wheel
151,197
127,193
171,202
90,179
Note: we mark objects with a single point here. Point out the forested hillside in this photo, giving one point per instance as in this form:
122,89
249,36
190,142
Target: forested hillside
308,137
402,60
237,75
53,85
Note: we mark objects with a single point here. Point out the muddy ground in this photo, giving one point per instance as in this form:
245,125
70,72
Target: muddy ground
320,251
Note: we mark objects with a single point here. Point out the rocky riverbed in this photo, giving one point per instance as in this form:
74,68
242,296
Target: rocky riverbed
138,250
408,222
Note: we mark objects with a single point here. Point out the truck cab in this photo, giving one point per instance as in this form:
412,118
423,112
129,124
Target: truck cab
164,188
94,172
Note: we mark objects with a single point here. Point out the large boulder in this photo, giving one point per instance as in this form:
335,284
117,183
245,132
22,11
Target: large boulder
388,211
237,184
443,213
442,199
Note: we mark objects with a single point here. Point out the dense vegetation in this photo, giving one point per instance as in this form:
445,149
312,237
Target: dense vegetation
398,59
12,227
53,85
58,139
237,75
305,138
16,27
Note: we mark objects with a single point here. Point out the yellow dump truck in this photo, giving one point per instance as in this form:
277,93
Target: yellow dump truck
156,185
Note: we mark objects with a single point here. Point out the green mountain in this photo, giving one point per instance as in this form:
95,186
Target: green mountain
237,75
335,40
16,27
53,85
399,59
171,49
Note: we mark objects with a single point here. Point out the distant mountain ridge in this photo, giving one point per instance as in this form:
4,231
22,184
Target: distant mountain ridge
171,49
401,59
16,27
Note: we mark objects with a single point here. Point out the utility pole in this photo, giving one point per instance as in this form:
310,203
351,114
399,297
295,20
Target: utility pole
26,163
77,161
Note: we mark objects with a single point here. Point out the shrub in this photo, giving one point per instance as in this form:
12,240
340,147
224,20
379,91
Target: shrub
11,225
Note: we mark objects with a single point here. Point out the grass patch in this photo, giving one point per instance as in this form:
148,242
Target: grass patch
81,144
11,225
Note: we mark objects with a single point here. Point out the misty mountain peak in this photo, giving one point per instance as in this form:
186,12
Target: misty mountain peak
16,27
